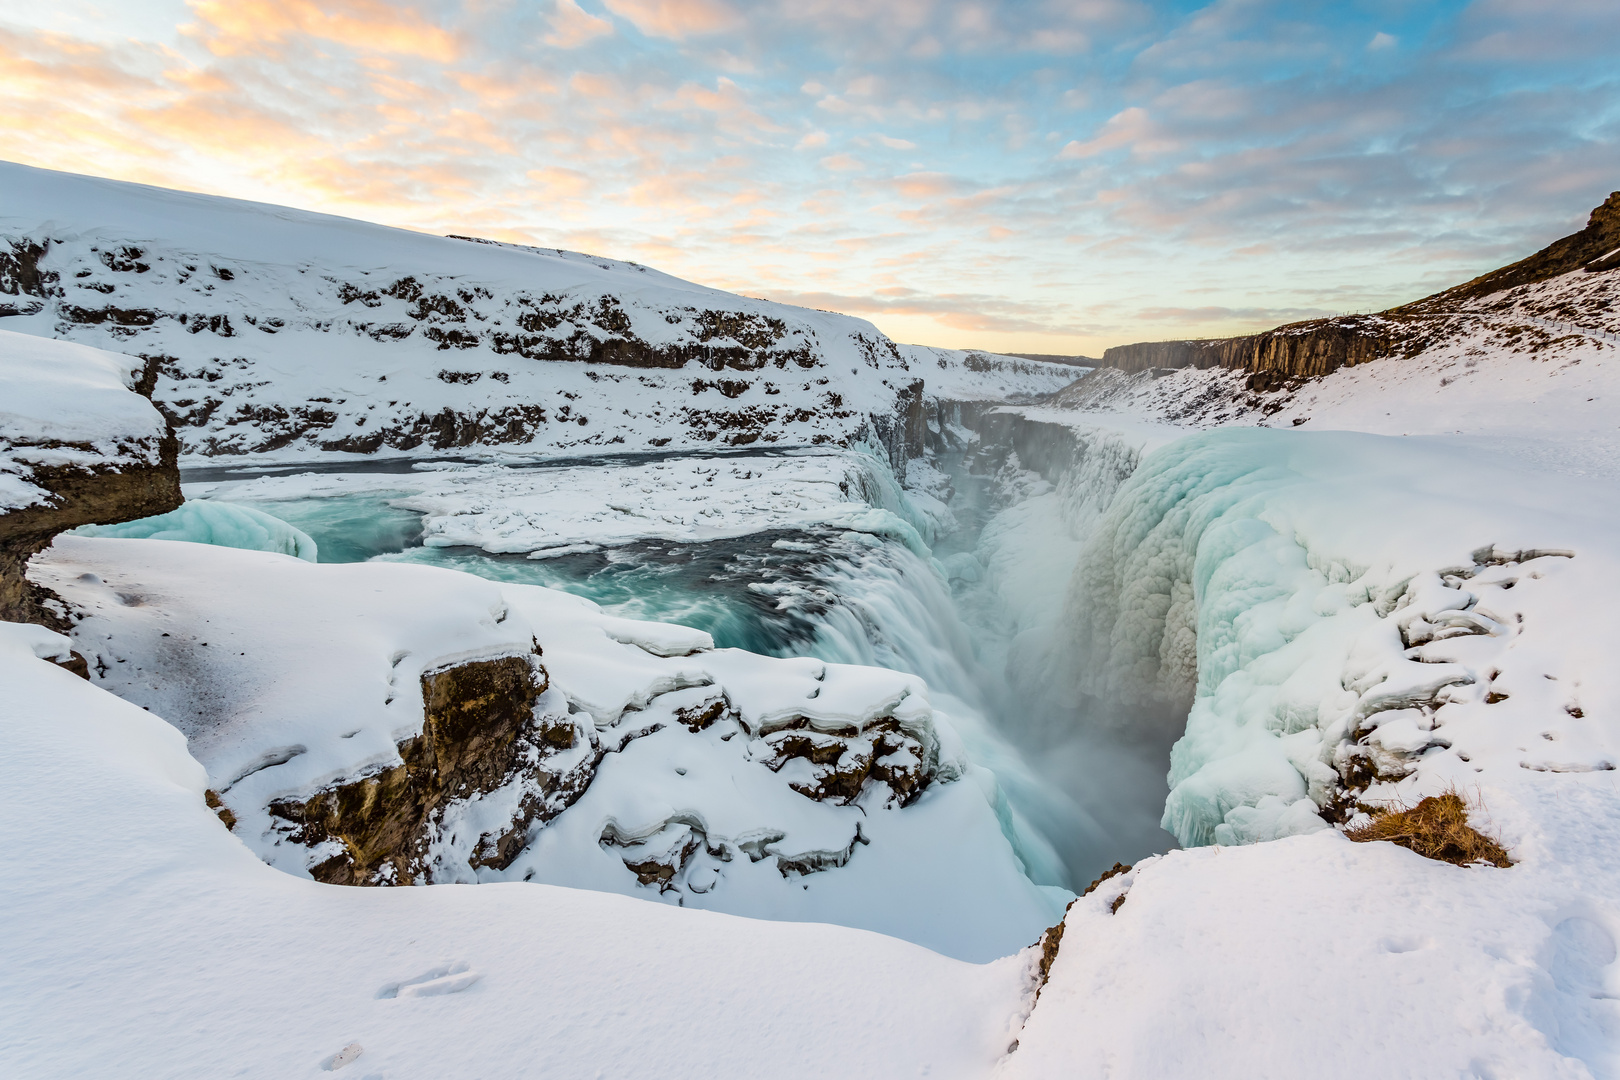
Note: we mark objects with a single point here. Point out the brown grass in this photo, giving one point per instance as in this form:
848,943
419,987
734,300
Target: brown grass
1436,828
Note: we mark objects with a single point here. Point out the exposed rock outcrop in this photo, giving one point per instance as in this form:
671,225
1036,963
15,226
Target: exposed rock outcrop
79,496
1301,350
478,730
78,445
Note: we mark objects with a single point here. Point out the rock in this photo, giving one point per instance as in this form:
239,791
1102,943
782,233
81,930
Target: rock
478,726
78,446
1317,347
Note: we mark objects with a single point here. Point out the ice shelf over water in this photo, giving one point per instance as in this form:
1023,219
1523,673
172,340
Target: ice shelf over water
221,524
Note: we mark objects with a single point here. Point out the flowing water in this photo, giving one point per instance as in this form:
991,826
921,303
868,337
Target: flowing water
843,597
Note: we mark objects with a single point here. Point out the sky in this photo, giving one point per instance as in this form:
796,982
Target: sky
1051,176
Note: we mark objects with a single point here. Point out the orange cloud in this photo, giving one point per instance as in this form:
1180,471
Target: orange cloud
237,26
559,182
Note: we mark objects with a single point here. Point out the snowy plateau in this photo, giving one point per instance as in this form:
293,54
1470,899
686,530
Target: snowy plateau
429,657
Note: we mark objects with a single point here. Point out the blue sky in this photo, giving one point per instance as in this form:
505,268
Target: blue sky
1054,177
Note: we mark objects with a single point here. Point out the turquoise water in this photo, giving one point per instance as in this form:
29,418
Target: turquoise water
726,587
840,596
352,528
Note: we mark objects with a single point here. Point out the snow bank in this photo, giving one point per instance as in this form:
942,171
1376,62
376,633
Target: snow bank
63,404
221,524
288,677
277,975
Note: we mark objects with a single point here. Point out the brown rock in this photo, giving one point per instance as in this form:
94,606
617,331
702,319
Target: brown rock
478,722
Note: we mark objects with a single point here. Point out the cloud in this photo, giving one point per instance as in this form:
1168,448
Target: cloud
233,26
1130,129
1070,172
677,19
573,26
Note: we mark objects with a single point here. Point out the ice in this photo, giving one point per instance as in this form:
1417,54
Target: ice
221,524
544,512
1284,569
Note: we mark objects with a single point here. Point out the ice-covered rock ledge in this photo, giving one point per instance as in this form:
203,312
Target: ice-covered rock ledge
77,445
1358,622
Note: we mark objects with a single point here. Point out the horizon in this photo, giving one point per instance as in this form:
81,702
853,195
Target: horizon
1041,178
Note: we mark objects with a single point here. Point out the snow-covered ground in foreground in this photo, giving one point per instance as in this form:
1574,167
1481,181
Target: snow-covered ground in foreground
287,677
143,939
67,405
273,331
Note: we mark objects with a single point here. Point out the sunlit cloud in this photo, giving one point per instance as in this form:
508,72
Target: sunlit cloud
1046,176
235,26
677,19
572,26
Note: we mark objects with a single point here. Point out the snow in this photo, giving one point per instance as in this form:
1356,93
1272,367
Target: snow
1425,608
308,337
163,946
1361,959
1396,576
67,405
287,677
215,523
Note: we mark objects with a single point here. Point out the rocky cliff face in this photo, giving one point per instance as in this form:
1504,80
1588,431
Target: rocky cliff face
479,730
1317,347
78,446
1300,350
79,496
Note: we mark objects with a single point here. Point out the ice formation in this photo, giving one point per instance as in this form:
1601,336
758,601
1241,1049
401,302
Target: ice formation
221,524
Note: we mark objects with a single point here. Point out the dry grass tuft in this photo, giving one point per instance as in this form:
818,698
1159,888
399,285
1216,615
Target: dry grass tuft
1436,828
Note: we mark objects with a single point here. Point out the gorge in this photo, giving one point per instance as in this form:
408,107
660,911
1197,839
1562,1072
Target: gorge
532,578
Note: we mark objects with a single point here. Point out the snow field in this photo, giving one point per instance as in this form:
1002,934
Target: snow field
156,943
302,336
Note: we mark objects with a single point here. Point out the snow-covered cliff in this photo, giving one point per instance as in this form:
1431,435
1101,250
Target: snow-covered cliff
268,330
